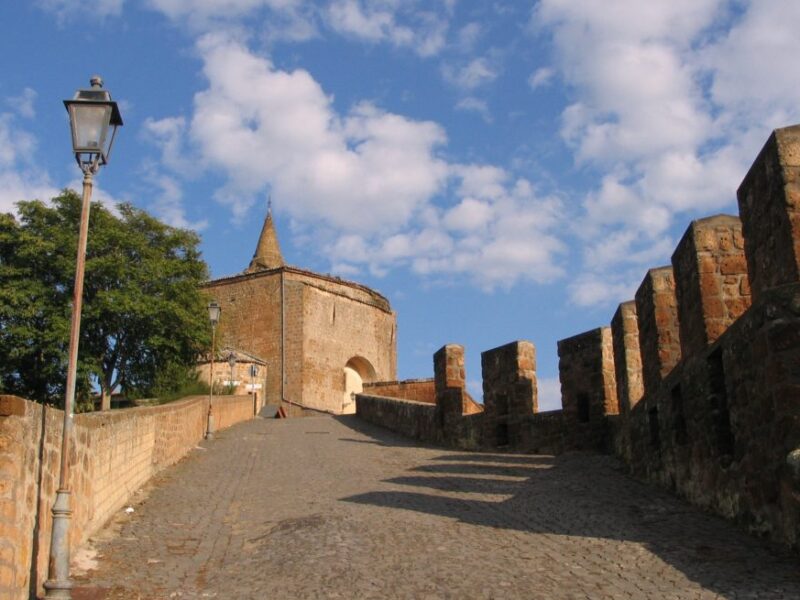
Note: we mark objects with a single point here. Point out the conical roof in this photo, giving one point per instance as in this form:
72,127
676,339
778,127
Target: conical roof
268,251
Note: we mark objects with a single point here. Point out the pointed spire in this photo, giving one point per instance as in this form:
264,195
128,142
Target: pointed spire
268,251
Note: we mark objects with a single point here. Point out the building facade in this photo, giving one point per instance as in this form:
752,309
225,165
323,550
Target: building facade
320,337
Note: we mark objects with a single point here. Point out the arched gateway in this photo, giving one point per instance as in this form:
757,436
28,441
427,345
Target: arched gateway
357,370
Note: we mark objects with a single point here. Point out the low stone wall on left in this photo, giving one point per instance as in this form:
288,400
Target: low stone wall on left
112,454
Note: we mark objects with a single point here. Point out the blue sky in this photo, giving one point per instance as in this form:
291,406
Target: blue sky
498,170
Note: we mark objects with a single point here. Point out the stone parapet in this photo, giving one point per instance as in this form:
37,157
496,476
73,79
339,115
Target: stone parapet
659,336
509,392
769,206
711,285
627,357
419,390
588,385
112,454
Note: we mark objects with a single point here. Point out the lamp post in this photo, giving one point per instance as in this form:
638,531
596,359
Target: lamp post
253,374
214,311
232,363
92,114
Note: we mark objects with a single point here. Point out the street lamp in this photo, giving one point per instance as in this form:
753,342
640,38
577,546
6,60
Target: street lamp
253,374
214,311
92,114
232,363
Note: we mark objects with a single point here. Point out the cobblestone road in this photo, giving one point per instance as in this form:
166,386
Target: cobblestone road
333,508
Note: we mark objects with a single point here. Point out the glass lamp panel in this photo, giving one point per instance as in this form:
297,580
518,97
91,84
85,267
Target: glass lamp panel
213,313
89,126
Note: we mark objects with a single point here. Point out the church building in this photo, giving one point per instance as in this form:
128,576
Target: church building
319,337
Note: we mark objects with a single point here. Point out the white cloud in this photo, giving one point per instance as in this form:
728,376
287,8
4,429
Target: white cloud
669,104
476,73
468,215
365,170
24,184
754,65
541,77
169,135
401,24
468,36
499,234
20,179
23,104
603,290
368,186
476,105
75,9
293,20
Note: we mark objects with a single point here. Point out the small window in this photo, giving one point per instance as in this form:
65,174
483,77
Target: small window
583,408
502,434
678,418
655,430
718,401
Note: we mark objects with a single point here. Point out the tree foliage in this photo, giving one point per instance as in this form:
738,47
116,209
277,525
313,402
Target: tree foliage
144,320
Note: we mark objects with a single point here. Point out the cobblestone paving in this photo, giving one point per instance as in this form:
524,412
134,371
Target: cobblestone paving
333,508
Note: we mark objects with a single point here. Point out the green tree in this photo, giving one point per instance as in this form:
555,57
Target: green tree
144,320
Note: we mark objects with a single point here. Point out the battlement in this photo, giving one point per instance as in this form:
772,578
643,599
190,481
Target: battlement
695,384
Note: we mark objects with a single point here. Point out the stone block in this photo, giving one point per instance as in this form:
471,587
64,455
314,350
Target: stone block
769,206
12,406
627,358
709,270
509,392
659,338
588,383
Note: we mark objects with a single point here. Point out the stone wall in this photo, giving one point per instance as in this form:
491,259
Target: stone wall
588,386
418,390
112,453
659,337
721,425
307,327
769,206
712,289
417,420
251,321
707,358
509,393
454,418
337,329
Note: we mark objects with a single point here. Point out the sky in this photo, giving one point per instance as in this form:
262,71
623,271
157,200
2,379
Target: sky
498,170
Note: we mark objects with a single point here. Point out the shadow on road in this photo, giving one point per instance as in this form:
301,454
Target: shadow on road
587,496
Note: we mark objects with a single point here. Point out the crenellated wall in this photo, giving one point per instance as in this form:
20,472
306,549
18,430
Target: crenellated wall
659,337
769,206
588,387
112,454
696,384
712,289
418,390
509,393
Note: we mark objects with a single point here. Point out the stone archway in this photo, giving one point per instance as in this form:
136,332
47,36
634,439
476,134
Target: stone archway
357,371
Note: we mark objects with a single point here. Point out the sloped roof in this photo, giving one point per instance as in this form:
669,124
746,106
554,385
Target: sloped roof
268,251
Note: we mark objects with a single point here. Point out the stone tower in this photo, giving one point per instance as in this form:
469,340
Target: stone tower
318,337
268,251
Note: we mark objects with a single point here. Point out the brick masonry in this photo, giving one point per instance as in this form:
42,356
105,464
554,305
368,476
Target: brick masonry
418,390
509,393
628,358
712,288
712,412
588,386
659,336
112,453
769,206
317,324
